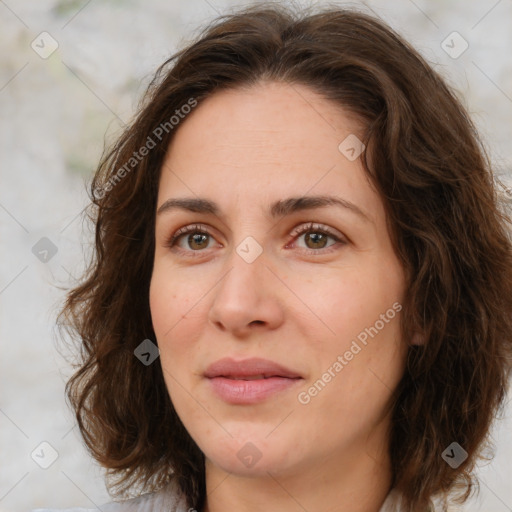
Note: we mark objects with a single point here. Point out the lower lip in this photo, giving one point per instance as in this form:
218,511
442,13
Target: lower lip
250,391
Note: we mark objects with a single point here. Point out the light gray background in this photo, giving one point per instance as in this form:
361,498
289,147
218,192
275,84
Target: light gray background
54,113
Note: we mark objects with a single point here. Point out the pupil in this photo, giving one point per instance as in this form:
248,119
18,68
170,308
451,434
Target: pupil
196,238
316,238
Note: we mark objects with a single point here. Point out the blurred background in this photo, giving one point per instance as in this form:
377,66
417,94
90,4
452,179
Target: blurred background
71,75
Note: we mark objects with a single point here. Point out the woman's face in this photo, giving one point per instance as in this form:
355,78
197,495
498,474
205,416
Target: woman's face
317,305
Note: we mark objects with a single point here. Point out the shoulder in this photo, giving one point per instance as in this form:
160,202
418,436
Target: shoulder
394,503
168,499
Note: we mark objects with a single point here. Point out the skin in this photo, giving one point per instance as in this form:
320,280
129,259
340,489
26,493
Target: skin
245,149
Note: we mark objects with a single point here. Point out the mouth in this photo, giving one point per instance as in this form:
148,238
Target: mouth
249,381
251,377
248,369
239,391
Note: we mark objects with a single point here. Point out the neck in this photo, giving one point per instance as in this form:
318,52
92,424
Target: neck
356,482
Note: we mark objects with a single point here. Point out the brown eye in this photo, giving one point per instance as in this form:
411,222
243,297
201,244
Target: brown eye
316,238
193,240
197,240
190,239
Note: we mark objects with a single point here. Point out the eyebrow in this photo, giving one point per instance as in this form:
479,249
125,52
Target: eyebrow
278,209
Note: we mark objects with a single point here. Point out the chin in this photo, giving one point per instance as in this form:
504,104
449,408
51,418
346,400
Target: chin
250,457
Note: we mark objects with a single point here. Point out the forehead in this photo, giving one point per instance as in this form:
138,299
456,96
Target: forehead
270,141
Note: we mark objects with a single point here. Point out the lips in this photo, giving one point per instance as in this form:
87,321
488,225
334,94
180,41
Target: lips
248,369
252,377
249,381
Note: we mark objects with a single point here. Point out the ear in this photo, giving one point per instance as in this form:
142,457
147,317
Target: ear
418,339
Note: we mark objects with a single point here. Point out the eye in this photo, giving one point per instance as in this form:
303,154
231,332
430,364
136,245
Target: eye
196,238
316,237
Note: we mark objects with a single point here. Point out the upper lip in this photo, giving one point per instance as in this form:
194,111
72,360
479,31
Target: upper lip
228,367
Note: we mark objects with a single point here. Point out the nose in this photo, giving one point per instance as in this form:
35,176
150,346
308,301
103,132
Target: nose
247,298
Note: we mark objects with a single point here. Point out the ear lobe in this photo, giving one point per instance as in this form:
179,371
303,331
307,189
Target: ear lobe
418,339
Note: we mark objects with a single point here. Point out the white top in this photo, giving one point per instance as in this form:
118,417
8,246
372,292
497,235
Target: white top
170,499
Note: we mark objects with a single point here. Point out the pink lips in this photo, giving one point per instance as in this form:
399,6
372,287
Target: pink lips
250,380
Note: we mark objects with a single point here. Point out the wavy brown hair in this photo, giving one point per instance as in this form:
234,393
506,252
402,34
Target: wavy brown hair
426,160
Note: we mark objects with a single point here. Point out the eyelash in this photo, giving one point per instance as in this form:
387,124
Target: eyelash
296,233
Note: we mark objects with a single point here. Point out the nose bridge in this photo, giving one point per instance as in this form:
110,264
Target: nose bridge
243,295
246,269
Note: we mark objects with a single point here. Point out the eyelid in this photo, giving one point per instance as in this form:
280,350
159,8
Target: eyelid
315,226
302,228
190,228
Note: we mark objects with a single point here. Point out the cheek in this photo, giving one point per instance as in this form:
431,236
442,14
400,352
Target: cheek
168,300
175,330
362,314
178,313
168,314
344,302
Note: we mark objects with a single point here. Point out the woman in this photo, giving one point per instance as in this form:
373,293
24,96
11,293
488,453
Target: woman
301,294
